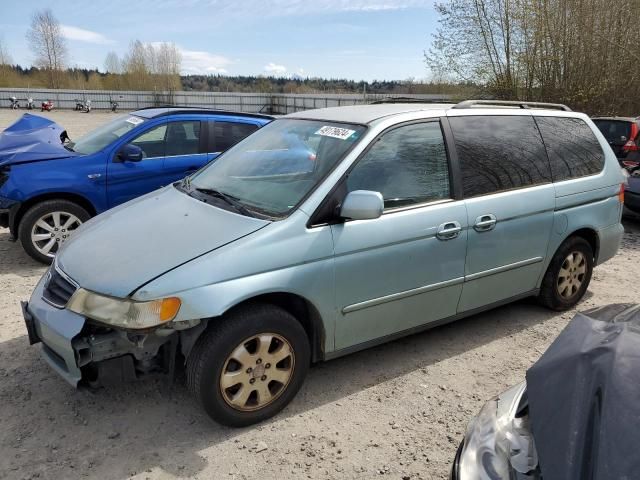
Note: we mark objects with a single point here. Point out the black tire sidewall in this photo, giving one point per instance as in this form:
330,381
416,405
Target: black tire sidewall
218,344
36,212
549,292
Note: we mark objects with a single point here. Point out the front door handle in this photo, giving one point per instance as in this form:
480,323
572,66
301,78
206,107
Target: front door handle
484,223
448,230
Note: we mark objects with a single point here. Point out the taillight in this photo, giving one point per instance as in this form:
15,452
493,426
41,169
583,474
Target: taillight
621,193
631,145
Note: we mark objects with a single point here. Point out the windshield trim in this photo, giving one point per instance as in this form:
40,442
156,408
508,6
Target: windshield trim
288,213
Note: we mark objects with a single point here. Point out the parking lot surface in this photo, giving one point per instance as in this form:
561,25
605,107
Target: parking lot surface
396,411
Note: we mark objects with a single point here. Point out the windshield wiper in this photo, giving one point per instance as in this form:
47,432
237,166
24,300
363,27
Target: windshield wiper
238,206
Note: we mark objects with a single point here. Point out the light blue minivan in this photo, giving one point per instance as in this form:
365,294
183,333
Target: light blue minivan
399,217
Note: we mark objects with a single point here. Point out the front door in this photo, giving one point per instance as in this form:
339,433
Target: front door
406,268
506,179
128,180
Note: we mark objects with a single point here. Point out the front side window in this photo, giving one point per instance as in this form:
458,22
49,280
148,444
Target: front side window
152,142
574,151
99,138
407,165
271,171
499,153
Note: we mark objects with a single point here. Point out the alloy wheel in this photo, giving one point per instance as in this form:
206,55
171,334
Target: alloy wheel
257,372
571,275
50,231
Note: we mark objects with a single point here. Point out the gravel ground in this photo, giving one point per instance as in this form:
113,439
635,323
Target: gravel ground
396,411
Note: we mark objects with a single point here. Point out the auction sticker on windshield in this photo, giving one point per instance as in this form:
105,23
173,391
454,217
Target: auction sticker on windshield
335,132
135,120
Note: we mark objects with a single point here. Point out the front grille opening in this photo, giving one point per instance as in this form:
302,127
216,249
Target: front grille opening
57,290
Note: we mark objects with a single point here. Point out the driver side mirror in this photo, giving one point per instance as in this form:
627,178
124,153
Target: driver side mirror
362,205
129,153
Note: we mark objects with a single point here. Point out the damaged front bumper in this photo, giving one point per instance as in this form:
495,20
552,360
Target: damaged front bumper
78,349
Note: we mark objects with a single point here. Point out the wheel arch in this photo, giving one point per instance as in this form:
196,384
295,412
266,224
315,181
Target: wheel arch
301,308
82,201
591,236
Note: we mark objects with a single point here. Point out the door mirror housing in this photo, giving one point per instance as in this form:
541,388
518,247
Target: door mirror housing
362,205
130,153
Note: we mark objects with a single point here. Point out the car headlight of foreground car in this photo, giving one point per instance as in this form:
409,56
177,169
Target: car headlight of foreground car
124,313
498,442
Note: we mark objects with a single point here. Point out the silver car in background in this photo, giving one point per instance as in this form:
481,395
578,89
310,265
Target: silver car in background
325,232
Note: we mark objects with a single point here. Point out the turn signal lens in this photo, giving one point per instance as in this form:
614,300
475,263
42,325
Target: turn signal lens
169,308
621,193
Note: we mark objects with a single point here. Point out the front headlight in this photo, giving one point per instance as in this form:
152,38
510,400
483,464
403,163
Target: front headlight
497,442
124,313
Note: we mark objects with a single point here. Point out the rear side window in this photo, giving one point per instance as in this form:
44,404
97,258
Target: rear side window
573,149
183,138
407,165
499,153
224,135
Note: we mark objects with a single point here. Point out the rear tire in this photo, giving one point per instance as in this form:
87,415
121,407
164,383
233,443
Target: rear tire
249,365
568,275
38,233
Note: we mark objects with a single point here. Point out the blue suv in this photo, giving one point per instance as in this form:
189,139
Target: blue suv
50,185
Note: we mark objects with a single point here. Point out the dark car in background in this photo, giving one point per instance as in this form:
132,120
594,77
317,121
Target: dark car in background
622,133
50,185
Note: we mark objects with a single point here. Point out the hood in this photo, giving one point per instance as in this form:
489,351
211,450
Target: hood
122,249
32,138
583,397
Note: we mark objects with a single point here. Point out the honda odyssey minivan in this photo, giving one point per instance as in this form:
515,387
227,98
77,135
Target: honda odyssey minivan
404,217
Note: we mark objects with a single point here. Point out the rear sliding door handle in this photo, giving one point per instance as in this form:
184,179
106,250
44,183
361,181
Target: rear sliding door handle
448,231
484,223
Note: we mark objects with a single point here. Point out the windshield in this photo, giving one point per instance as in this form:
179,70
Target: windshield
272,170
101,137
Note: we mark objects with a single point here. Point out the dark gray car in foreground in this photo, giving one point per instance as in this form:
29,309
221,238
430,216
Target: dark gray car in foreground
577,415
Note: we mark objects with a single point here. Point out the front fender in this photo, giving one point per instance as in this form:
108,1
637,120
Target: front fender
81,176
311,281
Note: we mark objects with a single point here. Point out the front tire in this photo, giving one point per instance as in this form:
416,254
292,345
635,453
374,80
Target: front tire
568,275
47,225
249,365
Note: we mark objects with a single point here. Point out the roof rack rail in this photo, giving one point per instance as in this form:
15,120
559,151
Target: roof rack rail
512,103
408,100
194,109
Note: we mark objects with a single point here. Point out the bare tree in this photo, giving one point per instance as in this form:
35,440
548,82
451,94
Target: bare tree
112,63
5,58
168,64
7,74
580,52
136,69
48,45
153,66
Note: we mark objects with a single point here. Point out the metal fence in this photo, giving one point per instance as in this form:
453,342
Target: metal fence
242,102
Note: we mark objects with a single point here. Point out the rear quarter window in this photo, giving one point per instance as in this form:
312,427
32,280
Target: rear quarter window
499,153
573,149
